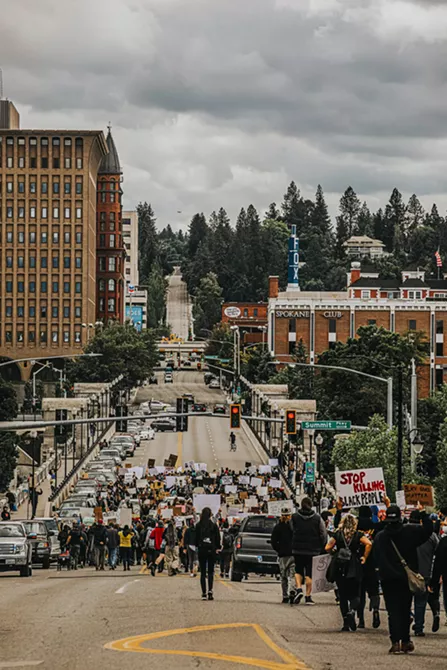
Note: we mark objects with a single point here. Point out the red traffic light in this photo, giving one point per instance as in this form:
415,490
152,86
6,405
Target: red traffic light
291,422
235,416
235,409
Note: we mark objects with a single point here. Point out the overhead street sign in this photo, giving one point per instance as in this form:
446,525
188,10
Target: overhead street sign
326,425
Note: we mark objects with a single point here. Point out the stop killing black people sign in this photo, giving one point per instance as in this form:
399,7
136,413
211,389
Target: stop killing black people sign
360,487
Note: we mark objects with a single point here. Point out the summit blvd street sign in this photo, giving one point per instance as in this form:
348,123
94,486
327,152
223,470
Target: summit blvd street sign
326,425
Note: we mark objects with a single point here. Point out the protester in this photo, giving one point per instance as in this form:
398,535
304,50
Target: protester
155,544
439,574
282,538
99,544
208,543
125,537
309,539
189,540
113,543
399,539
227,542
74,542
346,545
171,552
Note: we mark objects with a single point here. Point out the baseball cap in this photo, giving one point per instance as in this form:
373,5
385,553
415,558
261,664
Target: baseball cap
393,513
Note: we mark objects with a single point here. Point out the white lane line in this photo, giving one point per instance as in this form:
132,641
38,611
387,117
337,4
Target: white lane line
18,664
123,588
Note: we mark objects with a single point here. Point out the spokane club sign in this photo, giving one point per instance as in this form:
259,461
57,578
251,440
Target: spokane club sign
304,314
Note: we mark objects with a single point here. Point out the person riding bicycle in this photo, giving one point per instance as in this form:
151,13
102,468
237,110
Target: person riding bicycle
74,542
232,441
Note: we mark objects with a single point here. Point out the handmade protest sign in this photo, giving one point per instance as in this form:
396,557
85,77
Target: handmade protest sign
275,507
275,483
320,565
229,488
226,479
273,462
244,480
125,516
415,493
265,469
170,481
360,487
256,481
206,500
141,483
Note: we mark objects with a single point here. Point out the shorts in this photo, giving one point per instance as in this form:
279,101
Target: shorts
303,565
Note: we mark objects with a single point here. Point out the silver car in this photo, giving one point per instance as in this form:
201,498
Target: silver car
15,548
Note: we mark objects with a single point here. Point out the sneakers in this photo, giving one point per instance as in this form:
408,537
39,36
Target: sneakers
210,596
419,633
395,648
376,619
407,647
436,623
192,574
203,596
298,597
221,575
309,601
350,618
286,599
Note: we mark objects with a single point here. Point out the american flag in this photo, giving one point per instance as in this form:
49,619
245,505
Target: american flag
438,259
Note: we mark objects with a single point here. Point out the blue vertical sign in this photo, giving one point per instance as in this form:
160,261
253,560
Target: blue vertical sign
135,316
294,259
309,473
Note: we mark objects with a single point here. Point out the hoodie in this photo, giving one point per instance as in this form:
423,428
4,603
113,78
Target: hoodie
309,533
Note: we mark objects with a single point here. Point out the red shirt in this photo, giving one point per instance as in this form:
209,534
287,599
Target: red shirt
157,536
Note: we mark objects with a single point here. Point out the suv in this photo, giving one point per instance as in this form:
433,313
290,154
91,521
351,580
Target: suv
199,407
40,542
15,548
163,425
53,532
253,551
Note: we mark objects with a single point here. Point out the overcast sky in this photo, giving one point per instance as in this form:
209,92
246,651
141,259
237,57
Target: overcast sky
223,102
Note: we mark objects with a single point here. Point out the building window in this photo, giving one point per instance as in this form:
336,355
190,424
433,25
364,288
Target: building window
32,237
79,163
66,336
102,285
439,348
55,237
9,212
32,212
54,336
111,305
9,261
101,304
67,163
439,377
55,187
32,311
20,287
111,285
111,241
66,312
439,327
79,188
67,212
112,264
44,261
8,310
67,188
31,336
102,240
255,311
78,262
332,325
21,237
55,212
21,187
79,212
32,286
67,262
412,324
43,286
55,312
66,287
67,141
43,187
32,187
44,212
20,311
43,237
77,335
55,287
21,261
292,325
21,212
372,322
43,336
55,262
77,287
9,236
44,162
8,333
78,238
77,312
67,237
20,336
32,261
56,163
8,286
366,294
43,311
292,347
9,187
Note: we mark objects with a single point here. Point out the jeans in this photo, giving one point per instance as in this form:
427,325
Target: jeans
172,562
370,586
100,554
421,600
125,553
113,556
206,563
225,560
191,559
398,605
287,572
348,594
74,555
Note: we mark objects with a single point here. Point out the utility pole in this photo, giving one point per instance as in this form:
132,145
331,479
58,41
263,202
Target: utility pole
400,426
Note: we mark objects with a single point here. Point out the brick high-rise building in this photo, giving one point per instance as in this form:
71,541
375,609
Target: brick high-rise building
50,239
110,247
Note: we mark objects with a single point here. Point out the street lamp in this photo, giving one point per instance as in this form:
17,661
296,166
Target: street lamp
318,442
416,447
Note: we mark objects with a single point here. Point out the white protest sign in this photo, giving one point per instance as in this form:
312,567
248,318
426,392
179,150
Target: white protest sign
153,472
275,483
131,492
233,511
360,487
180,481
229,488
160,469
170,482
244,480
265,469
252,469
227,480
203,467
262,490
400,499
141,483
255,481
138,471
275,507
251,502
189,465
125,516
206,500
320,565
273,462
128,477
167,513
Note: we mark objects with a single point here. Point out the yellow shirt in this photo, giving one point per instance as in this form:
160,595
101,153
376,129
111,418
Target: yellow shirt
125,540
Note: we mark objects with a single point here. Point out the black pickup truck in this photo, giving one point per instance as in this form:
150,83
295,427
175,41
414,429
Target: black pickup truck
253,551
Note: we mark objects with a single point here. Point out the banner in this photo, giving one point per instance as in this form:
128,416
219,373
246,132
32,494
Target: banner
275,506
421,493
360,487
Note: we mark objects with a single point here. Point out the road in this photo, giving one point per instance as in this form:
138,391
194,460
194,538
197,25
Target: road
85,619
178,305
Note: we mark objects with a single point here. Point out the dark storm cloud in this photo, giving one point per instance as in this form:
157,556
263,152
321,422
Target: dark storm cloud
216,103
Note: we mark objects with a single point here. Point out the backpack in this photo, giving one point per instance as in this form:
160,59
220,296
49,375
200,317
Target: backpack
227,541
206,540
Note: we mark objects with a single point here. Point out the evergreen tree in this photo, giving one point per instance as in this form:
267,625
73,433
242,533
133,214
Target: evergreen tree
147,240
394,223
273,213
207,303
198,231
414,215
349,211
364,222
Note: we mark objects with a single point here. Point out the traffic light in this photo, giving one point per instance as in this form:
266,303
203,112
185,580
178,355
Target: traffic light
235,416
181,422
291,422
121,425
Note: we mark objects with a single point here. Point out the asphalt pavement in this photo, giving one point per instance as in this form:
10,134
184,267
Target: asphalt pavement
178,309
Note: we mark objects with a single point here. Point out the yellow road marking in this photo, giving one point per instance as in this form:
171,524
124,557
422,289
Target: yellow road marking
222,581
134,644
179,448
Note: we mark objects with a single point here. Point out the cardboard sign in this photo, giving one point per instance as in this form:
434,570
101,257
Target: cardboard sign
243,495
415,493
262,490
206,500
252,469
98,514
173,460
125,516
151,463
229,488
170,482
400,499
360,487
167,513
275,507
320,565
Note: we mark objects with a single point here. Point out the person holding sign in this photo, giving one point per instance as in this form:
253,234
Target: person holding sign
346,567
309,538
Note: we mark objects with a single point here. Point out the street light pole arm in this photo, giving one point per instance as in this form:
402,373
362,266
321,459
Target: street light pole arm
331,367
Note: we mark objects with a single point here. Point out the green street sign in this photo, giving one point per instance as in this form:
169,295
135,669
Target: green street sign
326,425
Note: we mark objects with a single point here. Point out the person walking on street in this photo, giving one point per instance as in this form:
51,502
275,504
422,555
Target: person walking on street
394,541
171,553
99,544
309,539
125,537
189,540
282,537
113,542
226,552
346,543
74,542
34,499
439,574
426,555
208,543
154,543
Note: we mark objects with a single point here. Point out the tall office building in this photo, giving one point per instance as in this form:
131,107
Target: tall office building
135,296
110,248
49,241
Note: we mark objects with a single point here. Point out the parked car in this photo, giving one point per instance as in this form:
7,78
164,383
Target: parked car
157,405
214,384
86,485
253,551
219,409
163,424
207,377
147,434
41,545
199,407
53,532
169,379
16,551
